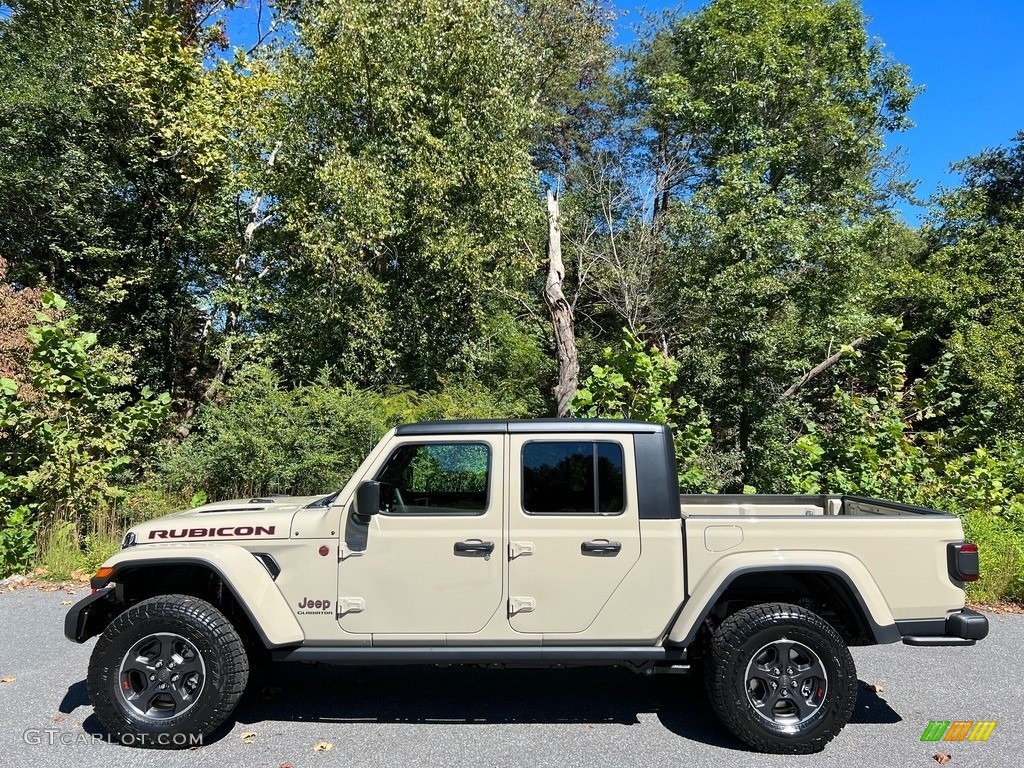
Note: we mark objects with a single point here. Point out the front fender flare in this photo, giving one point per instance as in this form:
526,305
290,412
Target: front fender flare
240,572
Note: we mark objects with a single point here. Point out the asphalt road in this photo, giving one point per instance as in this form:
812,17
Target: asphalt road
424,716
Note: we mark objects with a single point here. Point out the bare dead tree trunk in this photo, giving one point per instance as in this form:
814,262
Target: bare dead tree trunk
561,314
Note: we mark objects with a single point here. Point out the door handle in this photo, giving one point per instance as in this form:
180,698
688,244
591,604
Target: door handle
475,546
601,546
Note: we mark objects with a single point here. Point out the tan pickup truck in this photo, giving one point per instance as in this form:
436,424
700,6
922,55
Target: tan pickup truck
546,542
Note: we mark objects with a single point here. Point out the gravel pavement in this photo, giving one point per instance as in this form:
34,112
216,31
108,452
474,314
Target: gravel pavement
425,716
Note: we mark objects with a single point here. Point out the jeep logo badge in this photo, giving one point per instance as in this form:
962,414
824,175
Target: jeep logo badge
311,607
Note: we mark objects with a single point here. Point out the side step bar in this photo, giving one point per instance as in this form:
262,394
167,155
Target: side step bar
481,654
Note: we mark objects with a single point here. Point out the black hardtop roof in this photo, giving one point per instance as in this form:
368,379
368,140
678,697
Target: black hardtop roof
498,426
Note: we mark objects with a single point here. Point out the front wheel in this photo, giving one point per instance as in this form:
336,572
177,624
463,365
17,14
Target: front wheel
781,678
167,672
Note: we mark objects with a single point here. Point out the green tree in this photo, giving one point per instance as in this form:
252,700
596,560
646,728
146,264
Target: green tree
970,283
776,111
406,190
113,152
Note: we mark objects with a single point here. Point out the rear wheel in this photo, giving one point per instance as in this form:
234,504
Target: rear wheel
167,672
781,678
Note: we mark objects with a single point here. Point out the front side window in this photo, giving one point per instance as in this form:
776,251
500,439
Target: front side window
573,478
437,479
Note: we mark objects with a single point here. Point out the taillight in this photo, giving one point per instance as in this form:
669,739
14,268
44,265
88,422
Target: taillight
962,560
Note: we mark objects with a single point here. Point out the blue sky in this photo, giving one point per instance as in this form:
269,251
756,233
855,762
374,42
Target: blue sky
967,54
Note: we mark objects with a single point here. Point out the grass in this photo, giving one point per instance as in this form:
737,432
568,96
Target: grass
1001,550
63,556
65,553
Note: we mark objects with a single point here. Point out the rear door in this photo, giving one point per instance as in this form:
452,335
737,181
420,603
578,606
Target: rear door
574,531
432,561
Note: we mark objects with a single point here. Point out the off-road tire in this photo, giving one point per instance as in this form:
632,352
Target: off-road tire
738,646
179,621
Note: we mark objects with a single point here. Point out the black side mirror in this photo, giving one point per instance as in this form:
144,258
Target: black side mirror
368,499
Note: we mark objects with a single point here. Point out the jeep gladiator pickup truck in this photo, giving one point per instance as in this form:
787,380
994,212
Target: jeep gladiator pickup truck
546,542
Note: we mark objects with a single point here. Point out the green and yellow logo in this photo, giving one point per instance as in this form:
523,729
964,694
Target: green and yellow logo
958,730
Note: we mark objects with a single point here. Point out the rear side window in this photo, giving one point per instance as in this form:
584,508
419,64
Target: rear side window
573,478
438,479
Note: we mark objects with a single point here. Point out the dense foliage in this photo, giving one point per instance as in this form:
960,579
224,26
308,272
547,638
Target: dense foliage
263,438
306,234
71,433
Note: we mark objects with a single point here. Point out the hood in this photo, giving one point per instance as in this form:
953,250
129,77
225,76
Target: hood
235,519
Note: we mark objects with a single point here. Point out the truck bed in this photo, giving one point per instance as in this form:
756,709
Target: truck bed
847,532
781,505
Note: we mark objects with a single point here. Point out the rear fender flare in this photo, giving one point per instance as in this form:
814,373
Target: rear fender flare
846,567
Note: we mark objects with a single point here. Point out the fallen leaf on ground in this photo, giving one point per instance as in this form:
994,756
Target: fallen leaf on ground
57,586
80,575
941,758
6,679
66,602
997,607
286,764
877,688
248,737
59,719
323,746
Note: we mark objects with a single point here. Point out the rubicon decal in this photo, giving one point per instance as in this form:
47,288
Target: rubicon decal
958,730
206,533
311,607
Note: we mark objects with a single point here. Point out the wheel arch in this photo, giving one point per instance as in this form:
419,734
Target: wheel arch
229,577
860,618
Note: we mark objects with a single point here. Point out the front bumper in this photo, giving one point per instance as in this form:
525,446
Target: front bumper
91,615
965,627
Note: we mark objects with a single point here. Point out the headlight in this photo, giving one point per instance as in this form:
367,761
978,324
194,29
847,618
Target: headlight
129,540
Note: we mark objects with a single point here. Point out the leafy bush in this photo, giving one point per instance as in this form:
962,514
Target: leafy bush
17,539
636,383
986,488
874,440
80,433
262,438
887,439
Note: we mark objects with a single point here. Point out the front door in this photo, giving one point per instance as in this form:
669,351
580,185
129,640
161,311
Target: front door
431,562
574,529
